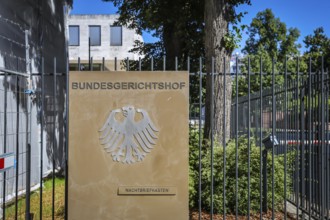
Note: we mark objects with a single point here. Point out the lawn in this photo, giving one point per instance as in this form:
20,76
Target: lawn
46,202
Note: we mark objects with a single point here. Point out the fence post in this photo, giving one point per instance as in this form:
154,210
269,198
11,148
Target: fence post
164,63
42,130
67,145
91,62
323,159
54,137
115,64
28,182
17,144
264,180
89,54
200,140
4,147
212,136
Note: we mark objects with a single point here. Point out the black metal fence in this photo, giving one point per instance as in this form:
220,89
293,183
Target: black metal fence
33,129
297,114
275,163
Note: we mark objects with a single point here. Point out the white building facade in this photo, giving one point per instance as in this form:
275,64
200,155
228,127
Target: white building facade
97,37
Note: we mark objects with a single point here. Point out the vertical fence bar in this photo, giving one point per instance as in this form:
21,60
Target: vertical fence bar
4,147
200,140
66,199
297,141
17,145
54,140
327,159
127,64
302,146
310,200
89,53
285,133
79,64
188,64
115,63
28,146
273,131
249,135
236,143
42,134
140,64
103,64
313,118
152,64
164,63
319,146
327,174
176,63
212,135
224,138
260,140
322,141
91,63
28,182
28,214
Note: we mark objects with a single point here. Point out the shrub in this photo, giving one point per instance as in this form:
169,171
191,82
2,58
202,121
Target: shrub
230,179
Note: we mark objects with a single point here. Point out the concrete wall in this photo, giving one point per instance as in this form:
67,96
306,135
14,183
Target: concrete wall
105,50
44,19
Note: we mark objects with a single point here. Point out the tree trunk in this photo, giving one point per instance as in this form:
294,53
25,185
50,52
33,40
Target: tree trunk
216,27
172,45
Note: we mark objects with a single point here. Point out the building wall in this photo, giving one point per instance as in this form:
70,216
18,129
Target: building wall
45,22
105,50
44,19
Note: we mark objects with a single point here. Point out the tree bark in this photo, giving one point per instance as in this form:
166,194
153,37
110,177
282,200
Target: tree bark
216,27
172,44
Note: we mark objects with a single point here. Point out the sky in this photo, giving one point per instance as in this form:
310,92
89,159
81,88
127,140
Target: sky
306,15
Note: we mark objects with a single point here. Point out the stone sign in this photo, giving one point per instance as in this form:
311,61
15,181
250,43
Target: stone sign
128,145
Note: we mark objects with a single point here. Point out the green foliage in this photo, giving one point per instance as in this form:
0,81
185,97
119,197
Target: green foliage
233,37
193,166
230,179
268,33
179,26
272,42
267,68
317,45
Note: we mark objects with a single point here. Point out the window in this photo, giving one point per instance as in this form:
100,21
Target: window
95,35
73,35
116,36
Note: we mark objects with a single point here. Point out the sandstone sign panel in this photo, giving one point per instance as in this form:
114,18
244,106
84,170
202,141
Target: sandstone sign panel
128,145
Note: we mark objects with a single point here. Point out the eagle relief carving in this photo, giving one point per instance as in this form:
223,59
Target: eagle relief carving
128,134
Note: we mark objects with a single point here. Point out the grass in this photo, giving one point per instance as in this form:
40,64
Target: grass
46,202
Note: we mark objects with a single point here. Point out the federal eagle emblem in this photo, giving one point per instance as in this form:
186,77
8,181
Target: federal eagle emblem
128,134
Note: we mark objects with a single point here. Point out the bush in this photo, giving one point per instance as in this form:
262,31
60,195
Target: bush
231,176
